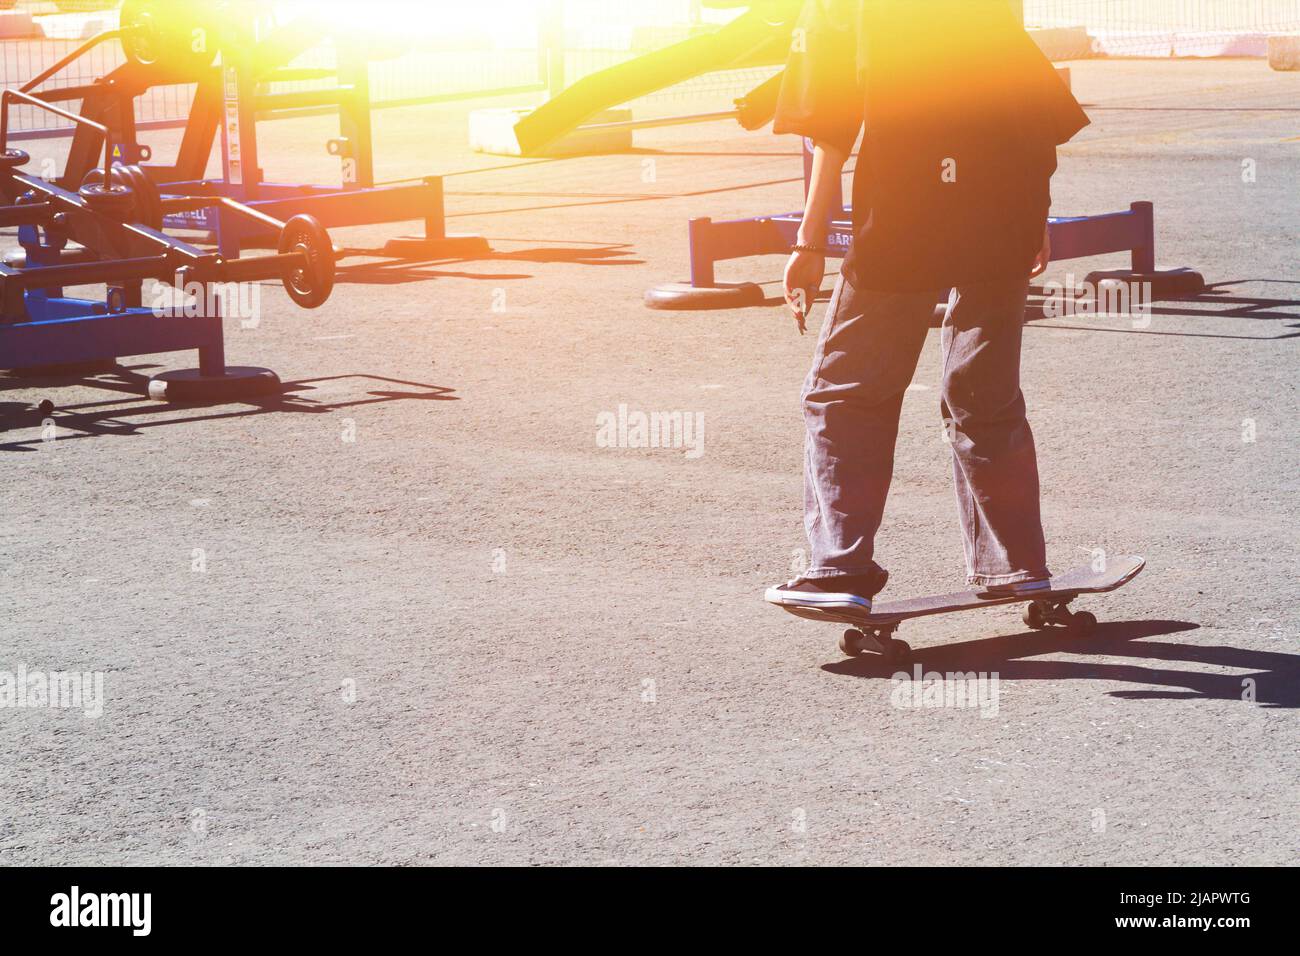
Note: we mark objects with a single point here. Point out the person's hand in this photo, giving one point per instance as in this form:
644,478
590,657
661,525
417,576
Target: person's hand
803,279
1044,257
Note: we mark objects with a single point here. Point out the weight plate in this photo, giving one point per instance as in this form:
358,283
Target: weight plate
141,35
114,200
310,284
174,33
148,201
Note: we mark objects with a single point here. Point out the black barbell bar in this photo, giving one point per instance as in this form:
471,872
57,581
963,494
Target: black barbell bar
252,269
91,273
299,268
27,214
304,263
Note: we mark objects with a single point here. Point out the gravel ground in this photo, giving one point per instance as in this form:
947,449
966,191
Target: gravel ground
415,613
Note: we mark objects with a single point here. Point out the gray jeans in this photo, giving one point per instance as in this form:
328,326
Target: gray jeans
865,359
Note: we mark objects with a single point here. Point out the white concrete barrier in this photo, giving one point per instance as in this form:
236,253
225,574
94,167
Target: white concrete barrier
76,26
1064,43
17,25
1284,53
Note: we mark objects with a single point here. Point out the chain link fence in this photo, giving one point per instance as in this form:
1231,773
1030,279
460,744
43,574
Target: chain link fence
425,68
1171,27
490,47
486,47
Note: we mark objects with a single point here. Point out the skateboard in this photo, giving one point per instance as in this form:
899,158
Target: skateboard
875,631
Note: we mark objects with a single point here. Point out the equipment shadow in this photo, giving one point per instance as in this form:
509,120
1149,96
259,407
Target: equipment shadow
1218,301
1275,676
391,271
118,416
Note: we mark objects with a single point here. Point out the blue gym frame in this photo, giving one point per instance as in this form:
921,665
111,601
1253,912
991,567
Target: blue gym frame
1073,237
43,327
62,331
39,325
229,98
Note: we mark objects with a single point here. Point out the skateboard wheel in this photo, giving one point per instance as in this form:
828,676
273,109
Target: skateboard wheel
851,643
1082,623
1034,616
898,652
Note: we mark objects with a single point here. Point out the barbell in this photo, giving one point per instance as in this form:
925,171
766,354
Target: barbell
304,262
130,195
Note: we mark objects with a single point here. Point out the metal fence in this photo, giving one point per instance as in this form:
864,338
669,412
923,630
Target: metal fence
476,49
425,69
20,60
490,47
1171,27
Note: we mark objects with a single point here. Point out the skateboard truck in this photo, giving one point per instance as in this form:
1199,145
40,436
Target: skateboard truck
857,641
1038,615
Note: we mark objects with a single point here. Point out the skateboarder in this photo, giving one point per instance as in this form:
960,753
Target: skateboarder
962,117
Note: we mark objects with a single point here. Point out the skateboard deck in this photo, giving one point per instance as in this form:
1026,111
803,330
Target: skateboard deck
874,631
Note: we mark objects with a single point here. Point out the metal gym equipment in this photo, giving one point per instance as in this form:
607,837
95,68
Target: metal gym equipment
169,42
1077,237
759,37
115,218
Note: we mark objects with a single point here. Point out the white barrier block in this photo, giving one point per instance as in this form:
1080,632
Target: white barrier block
1284,53
17,25
77,26
1149,43
1207,44
1064,43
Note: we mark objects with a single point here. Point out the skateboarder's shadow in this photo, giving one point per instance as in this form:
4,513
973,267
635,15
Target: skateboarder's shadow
1273,677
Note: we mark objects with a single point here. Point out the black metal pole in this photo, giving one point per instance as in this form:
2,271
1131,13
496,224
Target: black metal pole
31,214
91,273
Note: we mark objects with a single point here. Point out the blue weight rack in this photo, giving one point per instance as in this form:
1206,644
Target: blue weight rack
1074,237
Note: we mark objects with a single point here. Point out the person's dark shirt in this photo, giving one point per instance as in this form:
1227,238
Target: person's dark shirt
960,115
